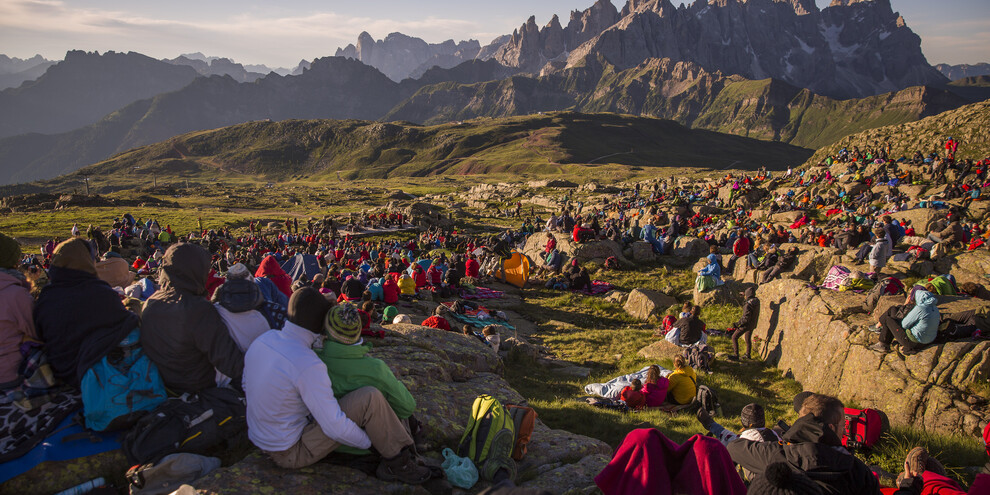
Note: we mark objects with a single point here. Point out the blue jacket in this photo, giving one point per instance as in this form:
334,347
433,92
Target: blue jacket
712,268
921,323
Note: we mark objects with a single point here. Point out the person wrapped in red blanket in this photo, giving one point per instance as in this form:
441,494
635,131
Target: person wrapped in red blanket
648,463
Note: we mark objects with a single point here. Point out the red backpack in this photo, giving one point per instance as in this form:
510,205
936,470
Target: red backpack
863,428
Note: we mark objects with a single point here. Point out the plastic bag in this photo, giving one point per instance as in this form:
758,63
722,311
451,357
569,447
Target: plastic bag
460,471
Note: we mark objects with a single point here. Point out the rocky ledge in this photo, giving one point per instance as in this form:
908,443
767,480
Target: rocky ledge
444,371
821,337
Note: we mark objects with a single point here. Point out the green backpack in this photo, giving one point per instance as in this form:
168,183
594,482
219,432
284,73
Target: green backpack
489,438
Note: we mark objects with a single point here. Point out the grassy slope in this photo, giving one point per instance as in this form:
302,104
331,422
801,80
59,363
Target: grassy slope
361,149
967,124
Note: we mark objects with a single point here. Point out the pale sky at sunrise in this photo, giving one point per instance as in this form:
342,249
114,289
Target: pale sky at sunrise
281,33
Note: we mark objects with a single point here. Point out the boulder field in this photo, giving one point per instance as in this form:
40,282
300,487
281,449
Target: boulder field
821,338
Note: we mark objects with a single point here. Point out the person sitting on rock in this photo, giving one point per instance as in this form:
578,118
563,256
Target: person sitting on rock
683,383
632,395
349,366
78,315
292,413
710,276
688,330
182,332
812,446
582,233
913,326
407,287
552,263
16,322
746,323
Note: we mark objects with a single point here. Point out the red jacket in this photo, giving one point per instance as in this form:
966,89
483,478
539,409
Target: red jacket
269,269
740,248
390,291
472,268
436,322
435,276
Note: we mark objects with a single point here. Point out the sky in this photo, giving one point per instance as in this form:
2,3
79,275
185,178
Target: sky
281,33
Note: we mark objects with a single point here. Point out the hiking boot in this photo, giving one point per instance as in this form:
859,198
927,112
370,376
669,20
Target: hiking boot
880,347
732,357
403,468
500,456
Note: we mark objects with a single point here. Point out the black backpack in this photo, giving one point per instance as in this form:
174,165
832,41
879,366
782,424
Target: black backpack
611,263
699,357
193,423
708,400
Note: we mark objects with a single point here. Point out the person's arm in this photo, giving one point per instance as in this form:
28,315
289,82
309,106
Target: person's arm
213,339
317,393
754,456
747,314
912,317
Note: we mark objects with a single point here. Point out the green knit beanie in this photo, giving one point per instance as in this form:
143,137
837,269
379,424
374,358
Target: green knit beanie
389,314
10,252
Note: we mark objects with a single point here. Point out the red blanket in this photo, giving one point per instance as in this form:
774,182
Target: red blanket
648,463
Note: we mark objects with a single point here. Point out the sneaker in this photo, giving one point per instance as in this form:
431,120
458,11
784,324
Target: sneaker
403,468
500,456
880,347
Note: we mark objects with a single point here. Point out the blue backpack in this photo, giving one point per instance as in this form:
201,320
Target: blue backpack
121,387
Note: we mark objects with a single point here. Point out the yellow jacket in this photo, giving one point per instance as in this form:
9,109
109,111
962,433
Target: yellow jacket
683,385
407,286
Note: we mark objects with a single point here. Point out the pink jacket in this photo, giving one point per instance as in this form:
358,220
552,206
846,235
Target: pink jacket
16,323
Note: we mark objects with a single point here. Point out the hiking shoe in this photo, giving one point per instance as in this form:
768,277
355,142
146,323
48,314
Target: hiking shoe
880,347
732,357
500,456
403,468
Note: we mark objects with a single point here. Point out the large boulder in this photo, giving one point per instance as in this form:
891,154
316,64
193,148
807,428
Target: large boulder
642,251
690,247
821,338
444,371
728,293
787,217
813,261
972,266
597,251
921,219
644,304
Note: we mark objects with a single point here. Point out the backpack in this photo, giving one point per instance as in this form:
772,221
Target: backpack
708,400
699,357
191,423
863,428
489,437
523,421
888,286
121,387
611,263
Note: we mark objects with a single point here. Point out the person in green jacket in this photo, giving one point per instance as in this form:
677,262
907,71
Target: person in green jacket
349,366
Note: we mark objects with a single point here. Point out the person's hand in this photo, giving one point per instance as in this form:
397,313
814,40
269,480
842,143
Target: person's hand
704,418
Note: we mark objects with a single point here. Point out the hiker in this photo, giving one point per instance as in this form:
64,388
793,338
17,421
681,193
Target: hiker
349,366
492,338
924,474
740,249
753,420
238,302
784,262
552,263
78,316
683,383
292,413
913,326
16,322
879,253
632,395
270,269
647,462
655,387
710,276
581,280
812,446
688,330
407,287
746,323
182,333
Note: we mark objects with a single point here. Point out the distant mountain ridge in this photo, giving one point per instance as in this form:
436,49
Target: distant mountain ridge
399,56
85,87
961,71
14,71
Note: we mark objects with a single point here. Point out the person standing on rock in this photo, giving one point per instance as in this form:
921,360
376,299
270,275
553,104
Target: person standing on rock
746,323
879,253
286,384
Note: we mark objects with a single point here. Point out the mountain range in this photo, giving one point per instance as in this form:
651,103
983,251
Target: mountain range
14,71
779,70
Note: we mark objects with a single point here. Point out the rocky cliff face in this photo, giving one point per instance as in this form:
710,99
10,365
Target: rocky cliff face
955,72
850,49
530,48
821,337
399,56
